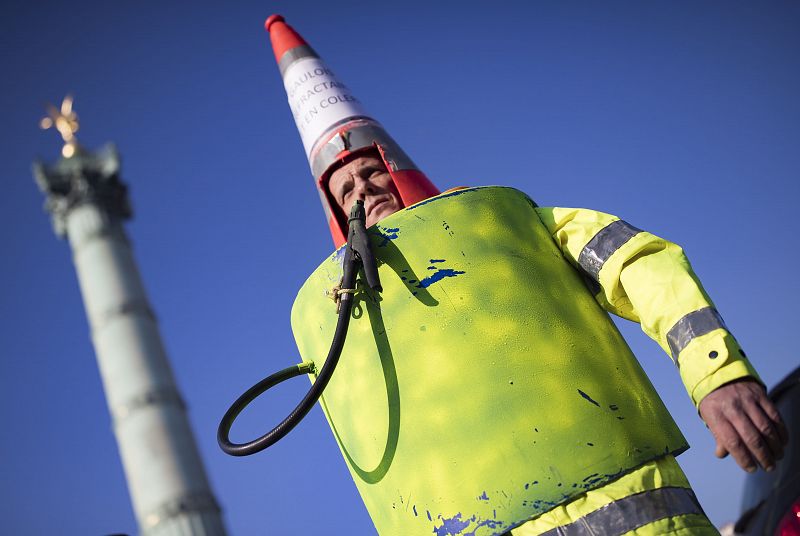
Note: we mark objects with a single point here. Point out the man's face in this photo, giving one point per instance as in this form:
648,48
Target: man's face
365,178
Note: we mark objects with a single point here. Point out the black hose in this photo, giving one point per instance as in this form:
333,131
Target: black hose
353,259
251,394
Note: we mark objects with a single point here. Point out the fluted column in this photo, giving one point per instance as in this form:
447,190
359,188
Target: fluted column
169,489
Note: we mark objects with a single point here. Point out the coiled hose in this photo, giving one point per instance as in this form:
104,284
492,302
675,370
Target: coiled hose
357,254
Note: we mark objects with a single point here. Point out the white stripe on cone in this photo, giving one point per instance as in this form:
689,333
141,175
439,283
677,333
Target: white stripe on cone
318,100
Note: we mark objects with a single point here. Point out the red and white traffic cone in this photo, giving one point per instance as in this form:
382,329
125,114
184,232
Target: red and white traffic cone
333,124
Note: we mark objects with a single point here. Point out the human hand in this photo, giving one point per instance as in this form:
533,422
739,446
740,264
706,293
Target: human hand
746,424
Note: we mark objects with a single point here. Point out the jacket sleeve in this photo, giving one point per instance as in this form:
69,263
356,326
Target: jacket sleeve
647,279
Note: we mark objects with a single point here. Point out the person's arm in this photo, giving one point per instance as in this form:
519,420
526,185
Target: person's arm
647,279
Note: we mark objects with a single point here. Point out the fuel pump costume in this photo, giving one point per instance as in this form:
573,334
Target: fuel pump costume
484,390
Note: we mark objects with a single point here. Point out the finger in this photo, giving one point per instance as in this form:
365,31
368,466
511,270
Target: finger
712,422
729,438
772,412
753,441
768,429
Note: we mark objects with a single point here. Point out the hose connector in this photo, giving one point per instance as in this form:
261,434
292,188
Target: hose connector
358,240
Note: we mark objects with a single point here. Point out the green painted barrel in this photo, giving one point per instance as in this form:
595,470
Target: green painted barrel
484,385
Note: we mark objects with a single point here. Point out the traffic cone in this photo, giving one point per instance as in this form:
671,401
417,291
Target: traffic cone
333,124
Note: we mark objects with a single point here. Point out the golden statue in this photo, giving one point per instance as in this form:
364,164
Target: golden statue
65,121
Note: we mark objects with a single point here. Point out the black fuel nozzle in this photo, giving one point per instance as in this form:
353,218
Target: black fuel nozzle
358,241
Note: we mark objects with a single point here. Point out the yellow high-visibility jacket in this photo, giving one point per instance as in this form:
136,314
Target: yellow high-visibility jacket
648,280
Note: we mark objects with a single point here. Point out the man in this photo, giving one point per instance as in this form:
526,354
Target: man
629,272
741,417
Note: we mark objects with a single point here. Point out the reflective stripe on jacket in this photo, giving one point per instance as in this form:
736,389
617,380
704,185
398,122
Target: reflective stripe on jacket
654,499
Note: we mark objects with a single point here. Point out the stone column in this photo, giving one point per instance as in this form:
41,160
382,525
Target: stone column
169,489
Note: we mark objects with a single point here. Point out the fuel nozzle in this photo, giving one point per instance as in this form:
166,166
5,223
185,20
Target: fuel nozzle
358,241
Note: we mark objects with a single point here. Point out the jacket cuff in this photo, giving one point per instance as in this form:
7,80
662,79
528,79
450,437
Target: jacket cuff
712,360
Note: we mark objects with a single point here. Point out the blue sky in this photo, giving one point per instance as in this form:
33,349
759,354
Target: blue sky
680,117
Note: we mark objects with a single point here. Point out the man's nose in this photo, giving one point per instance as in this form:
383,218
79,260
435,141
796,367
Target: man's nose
363,188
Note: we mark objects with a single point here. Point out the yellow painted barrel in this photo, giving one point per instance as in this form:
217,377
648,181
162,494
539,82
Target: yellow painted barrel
484,385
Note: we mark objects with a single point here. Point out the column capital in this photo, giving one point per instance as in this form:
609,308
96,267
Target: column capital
84,177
